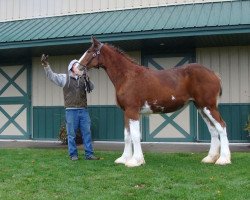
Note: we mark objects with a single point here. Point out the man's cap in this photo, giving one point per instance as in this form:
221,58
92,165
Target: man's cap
72,62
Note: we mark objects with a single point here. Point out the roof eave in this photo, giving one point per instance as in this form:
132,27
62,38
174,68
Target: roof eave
112,37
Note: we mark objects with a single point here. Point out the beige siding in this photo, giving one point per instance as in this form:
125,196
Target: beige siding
45,93
182,119
26,9
233,65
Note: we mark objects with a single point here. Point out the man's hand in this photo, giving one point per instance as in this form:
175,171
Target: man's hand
44,60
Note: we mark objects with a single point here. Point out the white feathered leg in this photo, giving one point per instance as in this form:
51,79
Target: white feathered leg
127,153
137,158
214,151
225,155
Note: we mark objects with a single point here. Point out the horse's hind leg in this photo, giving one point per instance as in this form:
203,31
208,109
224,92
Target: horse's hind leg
214,151
215,118
127,153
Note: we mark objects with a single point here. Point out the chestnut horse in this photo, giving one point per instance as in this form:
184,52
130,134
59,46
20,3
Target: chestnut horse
140,89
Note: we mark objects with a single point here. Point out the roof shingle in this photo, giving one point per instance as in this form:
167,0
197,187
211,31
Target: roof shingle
189,19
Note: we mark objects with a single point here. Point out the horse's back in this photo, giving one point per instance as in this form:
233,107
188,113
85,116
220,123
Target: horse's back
193,72
186,74
193,81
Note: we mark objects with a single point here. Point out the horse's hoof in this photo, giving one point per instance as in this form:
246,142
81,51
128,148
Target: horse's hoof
121,160
210,159
223,161
135,163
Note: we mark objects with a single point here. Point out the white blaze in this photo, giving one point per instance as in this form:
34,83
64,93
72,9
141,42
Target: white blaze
78,72
80,60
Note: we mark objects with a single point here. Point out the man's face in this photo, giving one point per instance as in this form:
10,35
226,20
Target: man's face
75,69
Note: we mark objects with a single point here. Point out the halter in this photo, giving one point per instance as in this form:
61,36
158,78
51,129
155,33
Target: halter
96,53
85,70
84,67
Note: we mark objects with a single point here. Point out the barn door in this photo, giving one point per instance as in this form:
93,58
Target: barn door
15,102
176,126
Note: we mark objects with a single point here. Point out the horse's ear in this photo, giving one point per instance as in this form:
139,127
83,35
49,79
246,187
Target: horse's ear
95,42
92,38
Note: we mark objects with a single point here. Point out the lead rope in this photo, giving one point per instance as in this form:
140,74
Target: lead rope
86,80
88,87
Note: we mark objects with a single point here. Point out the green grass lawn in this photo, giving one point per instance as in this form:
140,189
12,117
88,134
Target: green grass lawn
49,174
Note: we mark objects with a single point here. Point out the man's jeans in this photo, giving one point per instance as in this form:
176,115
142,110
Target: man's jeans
78,118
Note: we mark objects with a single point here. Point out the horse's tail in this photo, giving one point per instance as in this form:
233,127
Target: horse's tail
220,90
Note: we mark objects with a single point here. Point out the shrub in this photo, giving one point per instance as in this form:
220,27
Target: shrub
247,127
63,135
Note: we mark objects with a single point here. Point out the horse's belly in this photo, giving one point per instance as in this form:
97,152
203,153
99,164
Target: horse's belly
161,107
146,109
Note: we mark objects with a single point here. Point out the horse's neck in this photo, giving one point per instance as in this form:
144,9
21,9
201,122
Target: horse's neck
118,67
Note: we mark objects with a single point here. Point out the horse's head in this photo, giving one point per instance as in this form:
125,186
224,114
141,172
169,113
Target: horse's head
90,58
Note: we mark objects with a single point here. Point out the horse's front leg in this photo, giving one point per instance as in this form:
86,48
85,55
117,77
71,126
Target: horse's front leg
137,158
127,153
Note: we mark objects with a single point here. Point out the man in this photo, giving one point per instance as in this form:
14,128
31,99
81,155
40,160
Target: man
75,102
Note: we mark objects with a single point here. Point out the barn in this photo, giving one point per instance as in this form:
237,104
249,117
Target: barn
157,34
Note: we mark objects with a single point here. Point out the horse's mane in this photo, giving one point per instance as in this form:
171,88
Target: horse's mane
120,51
